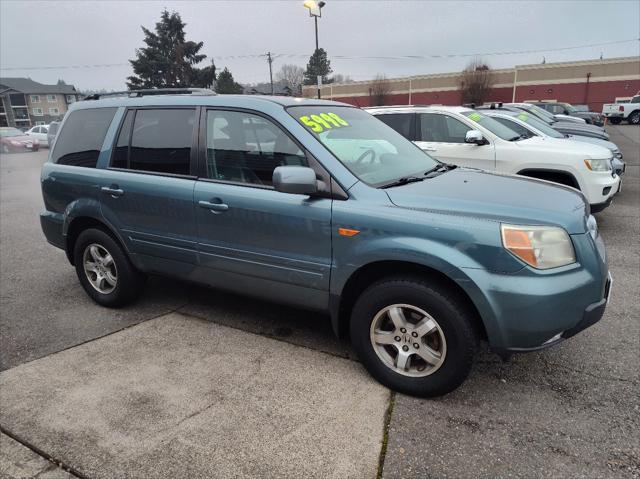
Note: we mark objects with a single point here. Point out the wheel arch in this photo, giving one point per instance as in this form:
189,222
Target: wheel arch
552,175
341,305
78,224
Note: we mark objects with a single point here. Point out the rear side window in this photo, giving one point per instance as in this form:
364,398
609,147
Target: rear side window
401,122
80,141
160,141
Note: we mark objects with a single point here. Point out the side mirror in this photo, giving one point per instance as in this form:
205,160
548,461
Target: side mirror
298,180
475,137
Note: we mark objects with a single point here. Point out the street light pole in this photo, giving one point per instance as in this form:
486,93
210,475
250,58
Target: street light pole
315,10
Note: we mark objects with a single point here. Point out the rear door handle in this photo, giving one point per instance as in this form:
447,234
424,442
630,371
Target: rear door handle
429,148
114,191
215,207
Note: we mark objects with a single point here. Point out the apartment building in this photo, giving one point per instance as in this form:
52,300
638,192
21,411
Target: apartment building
26,103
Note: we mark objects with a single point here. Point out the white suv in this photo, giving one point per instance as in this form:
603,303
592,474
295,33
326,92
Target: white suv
466,137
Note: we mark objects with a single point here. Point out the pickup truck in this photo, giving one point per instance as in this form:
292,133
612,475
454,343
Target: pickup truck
616,112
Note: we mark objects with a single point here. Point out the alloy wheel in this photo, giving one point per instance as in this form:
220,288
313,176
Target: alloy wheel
100,268
408,340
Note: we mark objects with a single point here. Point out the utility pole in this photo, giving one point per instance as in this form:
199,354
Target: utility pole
270,60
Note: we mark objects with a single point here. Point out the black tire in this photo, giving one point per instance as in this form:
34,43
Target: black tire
634,118
446,308
615,121
130,281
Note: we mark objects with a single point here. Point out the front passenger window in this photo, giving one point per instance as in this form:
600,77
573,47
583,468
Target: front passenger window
246,148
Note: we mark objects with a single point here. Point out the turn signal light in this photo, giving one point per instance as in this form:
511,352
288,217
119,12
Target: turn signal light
347,232
519,243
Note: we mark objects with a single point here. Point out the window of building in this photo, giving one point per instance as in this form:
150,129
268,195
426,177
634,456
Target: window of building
37,112
161,141
80,141
54,111
71,98
246,148
51,98
20,114
18,99
41,123
35,98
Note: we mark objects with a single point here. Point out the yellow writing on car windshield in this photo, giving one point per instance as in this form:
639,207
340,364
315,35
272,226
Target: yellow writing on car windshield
475,116
523,116
323,121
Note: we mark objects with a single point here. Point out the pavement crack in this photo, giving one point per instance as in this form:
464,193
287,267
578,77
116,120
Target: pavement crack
385,434
587,373
56,463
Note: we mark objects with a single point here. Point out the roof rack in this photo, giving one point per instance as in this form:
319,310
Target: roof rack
396,106
153,91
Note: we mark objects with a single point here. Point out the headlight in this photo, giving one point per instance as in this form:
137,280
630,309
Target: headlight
598,165
542,247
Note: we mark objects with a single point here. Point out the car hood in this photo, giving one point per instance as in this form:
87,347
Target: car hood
495,197
561,146
578,126
594,141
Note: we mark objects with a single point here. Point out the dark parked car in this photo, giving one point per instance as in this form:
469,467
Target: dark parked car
320,205
13,140
561,108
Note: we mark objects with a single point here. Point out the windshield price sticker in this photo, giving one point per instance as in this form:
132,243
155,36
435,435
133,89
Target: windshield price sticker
475,116
323,121
523,116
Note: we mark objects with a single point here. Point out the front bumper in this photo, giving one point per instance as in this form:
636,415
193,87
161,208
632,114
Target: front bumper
600,188
533,309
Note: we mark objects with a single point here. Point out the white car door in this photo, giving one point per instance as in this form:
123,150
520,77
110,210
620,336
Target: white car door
443,137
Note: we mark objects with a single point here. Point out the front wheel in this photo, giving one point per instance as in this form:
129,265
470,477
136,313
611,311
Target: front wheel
413,337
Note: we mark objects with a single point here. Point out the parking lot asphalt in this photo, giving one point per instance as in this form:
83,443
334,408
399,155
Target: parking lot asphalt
570,411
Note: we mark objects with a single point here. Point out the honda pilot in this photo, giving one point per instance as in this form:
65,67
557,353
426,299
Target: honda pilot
319,205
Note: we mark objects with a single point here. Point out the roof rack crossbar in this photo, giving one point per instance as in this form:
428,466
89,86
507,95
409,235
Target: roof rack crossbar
153,91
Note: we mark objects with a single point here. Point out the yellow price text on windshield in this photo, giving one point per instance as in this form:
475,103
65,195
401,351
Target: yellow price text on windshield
475,116
323,121
523,116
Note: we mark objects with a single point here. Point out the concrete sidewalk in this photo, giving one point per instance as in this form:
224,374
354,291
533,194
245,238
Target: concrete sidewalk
182,397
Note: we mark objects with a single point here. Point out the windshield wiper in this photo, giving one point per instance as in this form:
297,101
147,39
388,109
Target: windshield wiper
403,181
441,168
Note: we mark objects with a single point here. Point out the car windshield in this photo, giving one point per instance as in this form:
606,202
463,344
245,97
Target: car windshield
569,108
5,132
539,125
539,112
495,127
371,150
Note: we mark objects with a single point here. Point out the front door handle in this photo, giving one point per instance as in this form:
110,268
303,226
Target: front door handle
428,148
113,190
214,207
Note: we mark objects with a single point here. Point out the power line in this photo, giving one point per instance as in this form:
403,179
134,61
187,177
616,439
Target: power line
339,57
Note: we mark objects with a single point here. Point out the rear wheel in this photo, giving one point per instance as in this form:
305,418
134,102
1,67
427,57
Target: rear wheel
413,337
104,270
634,118
615,120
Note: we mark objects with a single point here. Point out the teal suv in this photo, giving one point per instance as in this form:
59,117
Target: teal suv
319,205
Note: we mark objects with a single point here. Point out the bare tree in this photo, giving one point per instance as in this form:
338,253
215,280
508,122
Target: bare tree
292,77
475,82
379,90
340,78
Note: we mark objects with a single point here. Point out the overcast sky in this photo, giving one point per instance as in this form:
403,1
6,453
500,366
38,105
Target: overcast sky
56,33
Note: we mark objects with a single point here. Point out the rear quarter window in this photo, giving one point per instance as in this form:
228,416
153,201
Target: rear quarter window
80,140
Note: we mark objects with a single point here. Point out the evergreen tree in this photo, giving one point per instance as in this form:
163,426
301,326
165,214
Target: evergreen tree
168,60
226,83
318,65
